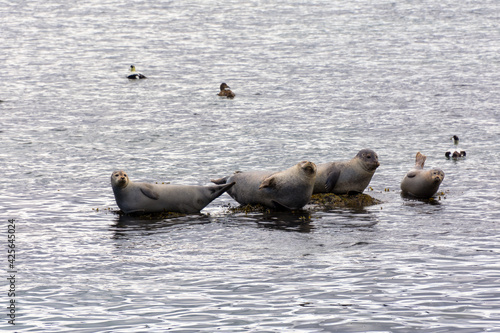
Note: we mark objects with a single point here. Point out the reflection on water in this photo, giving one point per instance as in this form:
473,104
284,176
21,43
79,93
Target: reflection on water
126,223
298,220
410,200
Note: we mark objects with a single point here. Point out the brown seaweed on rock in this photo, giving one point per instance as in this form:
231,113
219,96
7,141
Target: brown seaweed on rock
330,200
320,201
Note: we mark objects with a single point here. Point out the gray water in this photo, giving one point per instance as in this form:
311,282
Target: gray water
316,80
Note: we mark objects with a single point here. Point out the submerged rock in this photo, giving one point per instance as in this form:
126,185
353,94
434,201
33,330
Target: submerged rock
246,209
318,201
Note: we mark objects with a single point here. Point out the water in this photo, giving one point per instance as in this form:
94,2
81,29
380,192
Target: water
315,80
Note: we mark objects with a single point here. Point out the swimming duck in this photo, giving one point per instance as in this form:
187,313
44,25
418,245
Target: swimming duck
225,91
456,154
135,75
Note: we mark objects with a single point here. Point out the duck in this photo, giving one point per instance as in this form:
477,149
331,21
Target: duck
135,75
225,91
456,154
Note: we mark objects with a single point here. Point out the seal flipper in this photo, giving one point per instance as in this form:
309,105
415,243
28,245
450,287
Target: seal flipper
220,181
333,177
420,160
148,190
279,206
216,191
411,174
268,182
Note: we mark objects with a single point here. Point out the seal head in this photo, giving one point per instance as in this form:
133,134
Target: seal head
119,179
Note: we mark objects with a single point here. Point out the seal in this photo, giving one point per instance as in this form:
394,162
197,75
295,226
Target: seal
421,183
135,75
153,198
225,91
347,177
284,190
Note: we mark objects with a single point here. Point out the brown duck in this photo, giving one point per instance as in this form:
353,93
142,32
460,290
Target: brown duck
225,91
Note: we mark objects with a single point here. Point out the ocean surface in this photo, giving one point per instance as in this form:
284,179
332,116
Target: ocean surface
314,80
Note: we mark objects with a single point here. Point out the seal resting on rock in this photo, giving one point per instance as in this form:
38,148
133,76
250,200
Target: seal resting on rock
153,198
422,183
288,189
348,177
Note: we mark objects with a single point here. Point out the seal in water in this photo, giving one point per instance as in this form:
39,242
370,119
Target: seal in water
422,183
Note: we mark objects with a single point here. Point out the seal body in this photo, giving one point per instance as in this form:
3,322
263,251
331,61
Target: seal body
153,198
422,183
347,177
288,189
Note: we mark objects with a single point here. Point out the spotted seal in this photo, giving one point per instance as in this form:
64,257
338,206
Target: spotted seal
288,189
421,183
153,198
347,177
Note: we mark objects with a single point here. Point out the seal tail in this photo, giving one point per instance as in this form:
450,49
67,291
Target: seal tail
420,160
216,191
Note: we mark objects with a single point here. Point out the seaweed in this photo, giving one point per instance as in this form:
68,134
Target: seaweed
330,200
